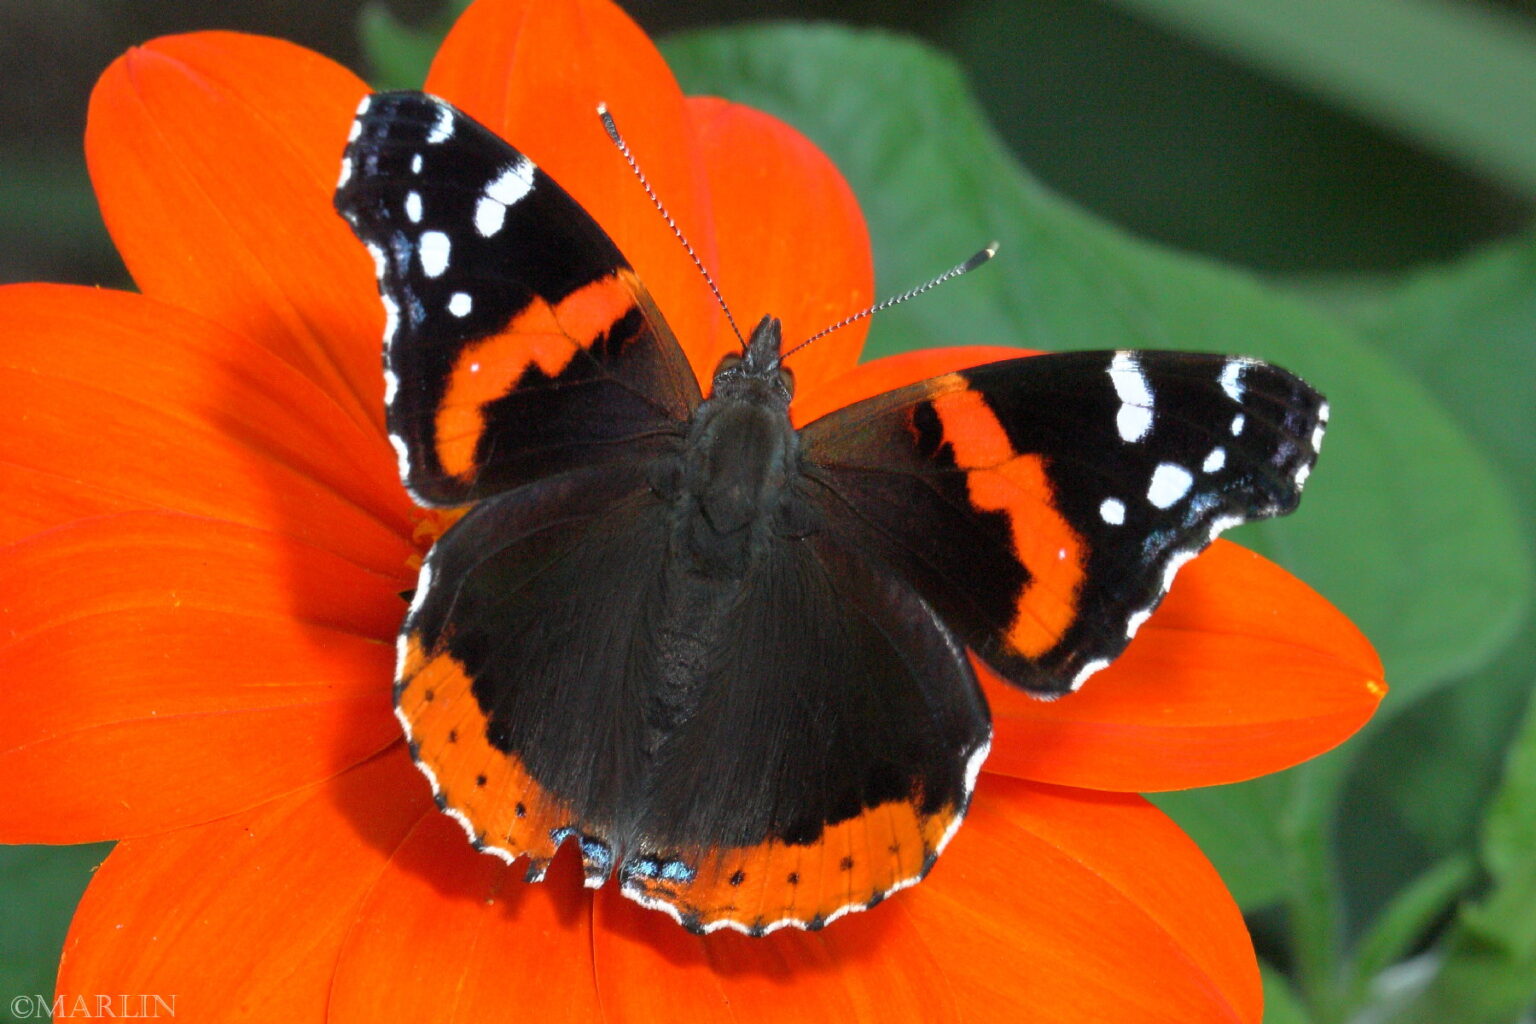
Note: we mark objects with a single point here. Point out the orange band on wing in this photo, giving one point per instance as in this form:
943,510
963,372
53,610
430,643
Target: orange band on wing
853,865
1016,485
543,335
487,790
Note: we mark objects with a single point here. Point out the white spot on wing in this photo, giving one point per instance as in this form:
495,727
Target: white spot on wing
442,130
1302,472
354,131
1215,461
346,171
1136,621
391,386
1135,416
402,456
515,182
379,260
1170,483
423,585
511,186
433,252
1224,523
489,216
363,105
1175,563
463,820
1238,423
416,164
1112,511
431,776
1088,670
413,207
1232,378
972,773
459,304
1125,374
391,319
1133,422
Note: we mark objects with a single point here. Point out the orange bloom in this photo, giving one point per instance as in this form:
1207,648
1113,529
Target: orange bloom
207,539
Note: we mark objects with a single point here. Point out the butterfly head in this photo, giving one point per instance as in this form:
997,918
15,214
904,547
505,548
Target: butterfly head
756,373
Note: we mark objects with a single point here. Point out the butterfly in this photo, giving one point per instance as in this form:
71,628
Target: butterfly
726,658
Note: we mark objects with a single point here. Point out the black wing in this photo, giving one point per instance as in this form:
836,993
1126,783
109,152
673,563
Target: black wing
518,342
1043,505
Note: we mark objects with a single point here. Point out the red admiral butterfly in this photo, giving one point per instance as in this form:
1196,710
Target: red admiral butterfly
725,657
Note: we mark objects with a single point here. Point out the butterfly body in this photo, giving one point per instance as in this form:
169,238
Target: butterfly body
732,487
727,659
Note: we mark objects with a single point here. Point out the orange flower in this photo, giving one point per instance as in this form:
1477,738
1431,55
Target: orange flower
206,540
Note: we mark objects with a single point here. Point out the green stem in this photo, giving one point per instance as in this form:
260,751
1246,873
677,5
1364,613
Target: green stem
1313,903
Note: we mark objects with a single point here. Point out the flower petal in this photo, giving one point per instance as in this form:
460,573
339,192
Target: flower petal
1076,905
214,156
534,72
111,401
789,235
241,919
1243,670
178,669
451,934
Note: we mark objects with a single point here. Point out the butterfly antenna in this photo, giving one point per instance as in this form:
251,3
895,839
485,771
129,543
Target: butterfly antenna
618,140
912,293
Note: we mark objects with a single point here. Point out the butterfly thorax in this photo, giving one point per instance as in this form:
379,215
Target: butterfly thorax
733,485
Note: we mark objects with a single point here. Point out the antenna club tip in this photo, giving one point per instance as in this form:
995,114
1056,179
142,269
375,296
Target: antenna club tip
992,247
608,124
980,258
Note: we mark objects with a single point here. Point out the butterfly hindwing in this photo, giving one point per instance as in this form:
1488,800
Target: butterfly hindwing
840,729
1042,505
518,341
818,747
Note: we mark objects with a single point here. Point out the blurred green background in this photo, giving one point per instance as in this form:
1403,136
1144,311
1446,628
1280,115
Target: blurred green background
1343,185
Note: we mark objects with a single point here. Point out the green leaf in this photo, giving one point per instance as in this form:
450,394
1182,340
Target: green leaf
1469,330
399,55
42,886
1239,829
1281,1004
1489,972
1408,920
1459,77
1405,526
1419,786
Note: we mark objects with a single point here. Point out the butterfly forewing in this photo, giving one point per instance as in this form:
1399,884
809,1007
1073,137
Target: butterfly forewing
518,342
1043,505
